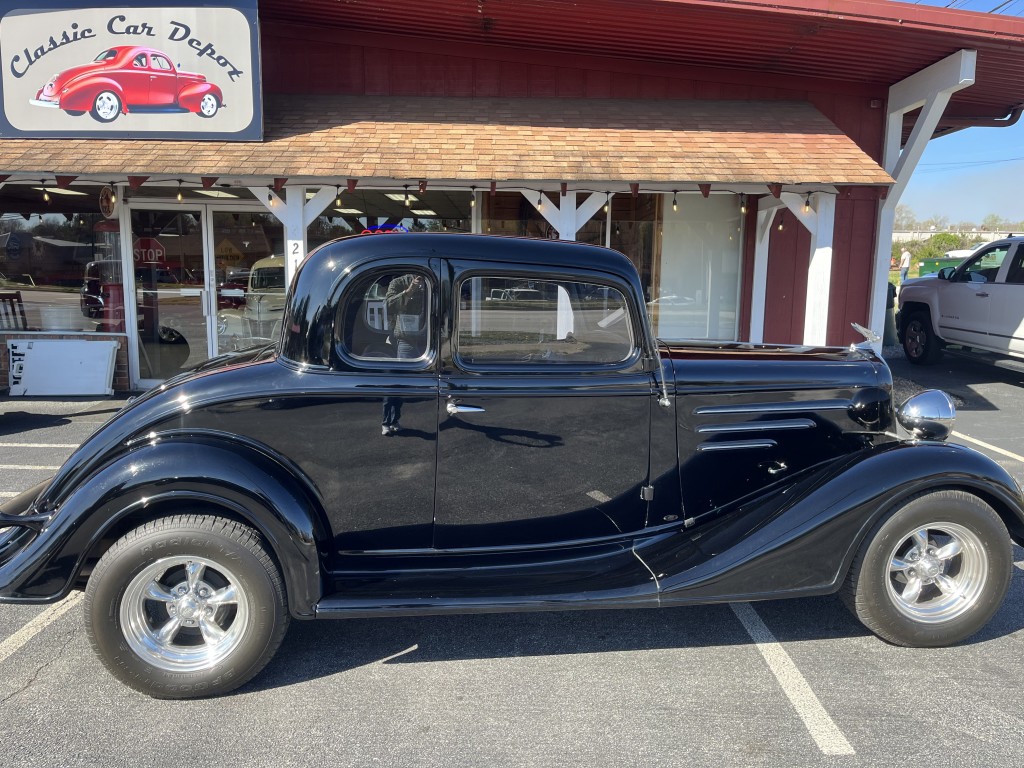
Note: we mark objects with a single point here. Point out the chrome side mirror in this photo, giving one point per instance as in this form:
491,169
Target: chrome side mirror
929,415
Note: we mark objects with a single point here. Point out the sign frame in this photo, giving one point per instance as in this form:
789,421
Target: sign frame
72,38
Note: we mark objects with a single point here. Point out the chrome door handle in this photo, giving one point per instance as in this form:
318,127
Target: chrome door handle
454,408
982,295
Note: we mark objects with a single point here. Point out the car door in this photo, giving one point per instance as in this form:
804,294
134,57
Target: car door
134,79
163,82
1007,299
545,408
965,306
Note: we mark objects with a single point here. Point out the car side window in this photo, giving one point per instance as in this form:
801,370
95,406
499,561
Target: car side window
140,61
159,62
984,267
1016,273
519,320
386,315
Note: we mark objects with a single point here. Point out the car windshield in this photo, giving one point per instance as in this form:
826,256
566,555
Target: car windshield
272,277
106,55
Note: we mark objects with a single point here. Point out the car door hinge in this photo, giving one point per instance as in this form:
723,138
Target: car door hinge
647,493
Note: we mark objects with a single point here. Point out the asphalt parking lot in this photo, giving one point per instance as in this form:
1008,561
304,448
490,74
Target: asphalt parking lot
777,684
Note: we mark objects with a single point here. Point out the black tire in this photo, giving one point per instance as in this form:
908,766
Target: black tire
215,643
955,595
920,344
75,112
106,107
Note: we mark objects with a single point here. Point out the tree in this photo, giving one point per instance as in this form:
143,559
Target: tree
995,223
905,219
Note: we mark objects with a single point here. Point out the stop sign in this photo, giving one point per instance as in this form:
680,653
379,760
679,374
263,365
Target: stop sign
148,249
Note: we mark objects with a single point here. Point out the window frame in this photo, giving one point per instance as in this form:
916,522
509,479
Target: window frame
340,351
629,364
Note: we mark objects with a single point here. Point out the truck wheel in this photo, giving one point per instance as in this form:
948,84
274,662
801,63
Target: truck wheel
933,572
186,606
920,344
106,107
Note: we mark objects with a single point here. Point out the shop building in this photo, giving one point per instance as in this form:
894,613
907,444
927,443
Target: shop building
748,159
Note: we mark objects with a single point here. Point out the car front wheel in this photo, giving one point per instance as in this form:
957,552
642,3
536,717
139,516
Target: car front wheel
106,107
209,105
186,606
933,572
920,344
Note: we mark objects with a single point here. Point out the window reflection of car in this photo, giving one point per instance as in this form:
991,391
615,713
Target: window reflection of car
128,79
257,316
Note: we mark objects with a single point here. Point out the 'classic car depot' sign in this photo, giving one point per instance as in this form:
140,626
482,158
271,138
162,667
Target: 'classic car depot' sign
173,71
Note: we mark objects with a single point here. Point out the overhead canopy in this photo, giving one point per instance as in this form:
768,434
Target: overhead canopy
461,139
850,42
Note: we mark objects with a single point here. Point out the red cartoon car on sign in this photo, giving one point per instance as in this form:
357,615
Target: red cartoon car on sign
129,79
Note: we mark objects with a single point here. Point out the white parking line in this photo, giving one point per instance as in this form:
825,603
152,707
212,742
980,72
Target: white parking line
991,447
823,730
28,466
38,624
38,445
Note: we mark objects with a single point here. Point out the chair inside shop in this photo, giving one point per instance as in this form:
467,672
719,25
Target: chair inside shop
12,311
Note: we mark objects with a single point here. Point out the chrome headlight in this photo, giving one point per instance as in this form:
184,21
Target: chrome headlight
929,415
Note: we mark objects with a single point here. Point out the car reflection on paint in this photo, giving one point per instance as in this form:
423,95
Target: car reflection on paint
128,79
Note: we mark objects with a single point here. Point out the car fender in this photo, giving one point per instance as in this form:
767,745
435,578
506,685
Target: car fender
802,539
174,474
190,96
82,93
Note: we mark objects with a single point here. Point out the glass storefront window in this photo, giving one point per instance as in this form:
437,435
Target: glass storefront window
697,268
59,259
512,215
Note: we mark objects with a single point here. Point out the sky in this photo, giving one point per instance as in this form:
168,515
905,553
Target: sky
972,173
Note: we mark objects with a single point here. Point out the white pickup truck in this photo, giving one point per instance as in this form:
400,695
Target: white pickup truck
979,304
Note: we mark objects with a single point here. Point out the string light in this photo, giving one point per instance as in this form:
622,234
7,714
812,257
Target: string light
540,199
472,200
675,203
407,203
743,204
607,201
46,194
337,197
782,219
179,191
113,194
807,204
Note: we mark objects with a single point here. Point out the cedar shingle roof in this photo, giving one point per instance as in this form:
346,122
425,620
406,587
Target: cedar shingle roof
463,139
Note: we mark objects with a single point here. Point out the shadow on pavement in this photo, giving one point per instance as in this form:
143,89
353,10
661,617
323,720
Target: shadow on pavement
314,649
958,376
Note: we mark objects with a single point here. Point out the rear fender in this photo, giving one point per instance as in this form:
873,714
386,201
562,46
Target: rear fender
82,93
178,475
801,539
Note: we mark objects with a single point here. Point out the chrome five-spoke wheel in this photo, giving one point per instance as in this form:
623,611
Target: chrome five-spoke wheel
185,606
933,572
183,614
938,572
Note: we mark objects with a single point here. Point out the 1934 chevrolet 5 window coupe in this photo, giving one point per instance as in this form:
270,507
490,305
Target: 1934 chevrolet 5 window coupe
125,79
457,423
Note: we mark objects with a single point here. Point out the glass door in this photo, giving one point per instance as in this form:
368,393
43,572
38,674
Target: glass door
167,255
248,268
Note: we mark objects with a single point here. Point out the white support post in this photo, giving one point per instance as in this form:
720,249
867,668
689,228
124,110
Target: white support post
766,209
296,214
820,221
565,217
930,90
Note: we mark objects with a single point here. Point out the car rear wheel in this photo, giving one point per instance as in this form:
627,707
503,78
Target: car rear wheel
209,105
106,107
75,112
186,606
933,572
920,344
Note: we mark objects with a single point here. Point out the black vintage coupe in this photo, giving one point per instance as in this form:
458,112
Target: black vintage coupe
457,423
